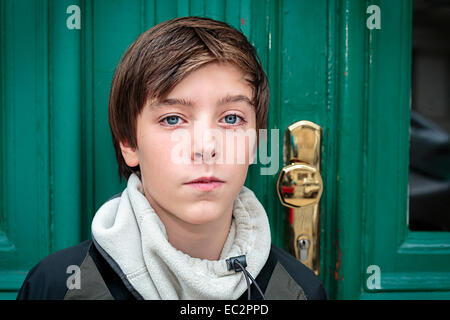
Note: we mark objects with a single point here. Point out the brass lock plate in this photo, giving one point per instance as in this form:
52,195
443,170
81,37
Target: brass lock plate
300,187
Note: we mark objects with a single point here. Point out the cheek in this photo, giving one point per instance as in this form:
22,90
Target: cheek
155,157
239,147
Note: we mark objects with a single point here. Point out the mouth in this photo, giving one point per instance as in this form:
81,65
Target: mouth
205,183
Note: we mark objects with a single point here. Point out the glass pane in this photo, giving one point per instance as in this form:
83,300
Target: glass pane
429,175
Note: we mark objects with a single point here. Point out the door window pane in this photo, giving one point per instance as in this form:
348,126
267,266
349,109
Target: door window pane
429,175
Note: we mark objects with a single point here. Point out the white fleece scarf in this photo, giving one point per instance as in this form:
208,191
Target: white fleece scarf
130,231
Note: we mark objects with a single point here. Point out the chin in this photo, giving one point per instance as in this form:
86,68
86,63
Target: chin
203,213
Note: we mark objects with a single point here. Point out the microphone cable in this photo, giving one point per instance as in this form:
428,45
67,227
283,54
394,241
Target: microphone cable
238,264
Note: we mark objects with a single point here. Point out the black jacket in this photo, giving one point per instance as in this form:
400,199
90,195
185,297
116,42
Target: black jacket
282,277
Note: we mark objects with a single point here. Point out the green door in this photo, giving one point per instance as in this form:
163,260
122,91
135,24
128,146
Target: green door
344,65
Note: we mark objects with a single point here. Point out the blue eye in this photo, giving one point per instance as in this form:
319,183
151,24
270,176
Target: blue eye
234,120
172,120
231,119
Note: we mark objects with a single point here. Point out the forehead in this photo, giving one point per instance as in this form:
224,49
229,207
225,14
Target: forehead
221,82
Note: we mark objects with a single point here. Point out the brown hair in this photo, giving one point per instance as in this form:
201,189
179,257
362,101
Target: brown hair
165,54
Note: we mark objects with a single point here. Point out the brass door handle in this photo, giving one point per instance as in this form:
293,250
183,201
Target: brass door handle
300,187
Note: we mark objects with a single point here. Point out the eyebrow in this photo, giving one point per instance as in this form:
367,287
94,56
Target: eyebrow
236,98
184,102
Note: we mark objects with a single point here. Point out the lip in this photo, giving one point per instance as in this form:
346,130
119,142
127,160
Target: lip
205,183
205,180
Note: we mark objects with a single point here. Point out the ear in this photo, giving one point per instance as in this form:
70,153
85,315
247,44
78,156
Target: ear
129,154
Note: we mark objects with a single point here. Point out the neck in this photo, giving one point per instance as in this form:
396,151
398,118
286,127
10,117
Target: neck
203,241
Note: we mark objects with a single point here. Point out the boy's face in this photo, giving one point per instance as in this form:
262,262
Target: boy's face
188,135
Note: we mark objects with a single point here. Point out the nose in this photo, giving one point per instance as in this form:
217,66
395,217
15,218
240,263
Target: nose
204,144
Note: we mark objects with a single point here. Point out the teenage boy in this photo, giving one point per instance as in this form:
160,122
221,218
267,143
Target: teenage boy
185,227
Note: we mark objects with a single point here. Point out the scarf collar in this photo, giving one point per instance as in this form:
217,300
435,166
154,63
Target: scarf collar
131,233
